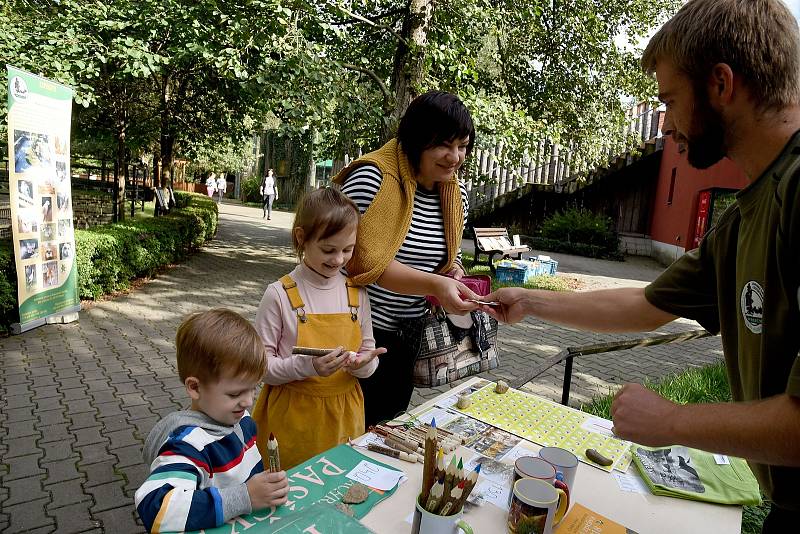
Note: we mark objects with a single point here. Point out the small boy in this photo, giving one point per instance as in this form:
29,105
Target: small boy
205,467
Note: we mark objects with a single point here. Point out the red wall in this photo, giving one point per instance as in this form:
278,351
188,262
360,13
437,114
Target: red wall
674,223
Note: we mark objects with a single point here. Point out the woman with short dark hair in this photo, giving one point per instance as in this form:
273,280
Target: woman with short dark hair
413,213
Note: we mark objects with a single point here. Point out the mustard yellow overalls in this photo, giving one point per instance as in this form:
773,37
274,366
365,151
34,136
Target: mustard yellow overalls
312,415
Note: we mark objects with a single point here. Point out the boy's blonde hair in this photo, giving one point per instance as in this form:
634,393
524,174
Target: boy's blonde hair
322,213
758,39
217,343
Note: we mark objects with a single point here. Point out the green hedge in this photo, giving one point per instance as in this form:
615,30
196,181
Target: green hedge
579,231
110,256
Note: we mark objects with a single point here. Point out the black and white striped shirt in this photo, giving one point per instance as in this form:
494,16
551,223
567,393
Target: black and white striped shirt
424,247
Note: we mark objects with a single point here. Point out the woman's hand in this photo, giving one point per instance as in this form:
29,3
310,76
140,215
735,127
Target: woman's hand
364,358
453,295
457,272
331,362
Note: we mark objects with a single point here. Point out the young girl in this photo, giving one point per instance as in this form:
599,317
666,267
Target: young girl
313,403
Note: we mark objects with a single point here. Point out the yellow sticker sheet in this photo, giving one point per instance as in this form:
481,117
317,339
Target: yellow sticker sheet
548,424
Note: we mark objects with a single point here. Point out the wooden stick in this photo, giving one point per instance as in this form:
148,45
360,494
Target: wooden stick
393,453
309,351
400,446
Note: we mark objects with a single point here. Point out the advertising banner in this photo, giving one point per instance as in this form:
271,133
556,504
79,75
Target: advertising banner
39,113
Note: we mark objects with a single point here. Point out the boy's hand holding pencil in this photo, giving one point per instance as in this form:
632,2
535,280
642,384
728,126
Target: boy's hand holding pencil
267,490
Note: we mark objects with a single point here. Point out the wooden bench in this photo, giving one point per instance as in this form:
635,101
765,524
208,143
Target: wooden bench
494,241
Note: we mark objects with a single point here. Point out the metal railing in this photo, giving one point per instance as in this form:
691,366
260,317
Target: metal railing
569,354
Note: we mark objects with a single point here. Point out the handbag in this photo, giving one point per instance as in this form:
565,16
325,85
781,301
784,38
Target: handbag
445,352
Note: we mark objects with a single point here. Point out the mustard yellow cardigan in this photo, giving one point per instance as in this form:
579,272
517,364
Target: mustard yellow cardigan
391,209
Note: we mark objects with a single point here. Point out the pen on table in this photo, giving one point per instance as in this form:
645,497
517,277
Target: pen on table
272,453
391,452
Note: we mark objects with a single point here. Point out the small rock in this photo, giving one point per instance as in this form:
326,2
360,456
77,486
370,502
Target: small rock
345,508
463,402
356,494
501,387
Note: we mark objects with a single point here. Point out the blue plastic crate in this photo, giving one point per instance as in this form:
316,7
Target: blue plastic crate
520,272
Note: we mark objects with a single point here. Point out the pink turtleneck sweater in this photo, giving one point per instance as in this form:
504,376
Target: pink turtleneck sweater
276,323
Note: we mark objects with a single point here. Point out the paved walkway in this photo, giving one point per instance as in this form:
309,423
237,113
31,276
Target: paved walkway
77,400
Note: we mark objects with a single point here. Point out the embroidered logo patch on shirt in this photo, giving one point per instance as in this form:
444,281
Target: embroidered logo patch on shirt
752,304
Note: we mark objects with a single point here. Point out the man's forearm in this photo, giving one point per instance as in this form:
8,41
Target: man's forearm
766,431
607,310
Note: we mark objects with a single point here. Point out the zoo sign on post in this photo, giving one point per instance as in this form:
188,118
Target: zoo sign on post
39,112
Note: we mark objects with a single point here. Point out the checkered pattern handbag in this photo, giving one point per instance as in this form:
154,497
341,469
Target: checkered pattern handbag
444,352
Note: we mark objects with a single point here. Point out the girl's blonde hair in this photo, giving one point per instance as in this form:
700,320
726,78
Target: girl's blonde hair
322,213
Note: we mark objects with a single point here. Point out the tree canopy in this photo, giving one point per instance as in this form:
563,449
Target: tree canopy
175,78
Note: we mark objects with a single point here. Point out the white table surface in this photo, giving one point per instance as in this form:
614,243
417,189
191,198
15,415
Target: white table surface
593,488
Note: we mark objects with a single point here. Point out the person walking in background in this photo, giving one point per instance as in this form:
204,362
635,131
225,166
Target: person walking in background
211,185
222,186
413,211
269,193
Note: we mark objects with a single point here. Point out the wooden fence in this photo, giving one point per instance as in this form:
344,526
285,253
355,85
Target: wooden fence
549,163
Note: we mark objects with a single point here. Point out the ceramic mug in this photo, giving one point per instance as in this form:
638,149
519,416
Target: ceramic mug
428,523
564,461
535,507
531,467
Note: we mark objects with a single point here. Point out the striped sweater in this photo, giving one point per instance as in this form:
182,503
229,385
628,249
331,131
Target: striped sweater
424,247
198,472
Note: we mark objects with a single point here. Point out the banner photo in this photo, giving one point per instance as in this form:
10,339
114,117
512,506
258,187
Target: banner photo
316,487
39,114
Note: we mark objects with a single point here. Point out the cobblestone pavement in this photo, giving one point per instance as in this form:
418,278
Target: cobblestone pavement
77,400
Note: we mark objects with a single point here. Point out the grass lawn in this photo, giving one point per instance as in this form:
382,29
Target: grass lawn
139,214
702,384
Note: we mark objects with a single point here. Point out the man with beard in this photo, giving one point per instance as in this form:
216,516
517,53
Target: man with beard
729,74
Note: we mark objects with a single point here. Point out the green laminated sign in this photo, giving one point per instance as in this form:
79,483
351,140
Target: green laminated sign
315,488
39,116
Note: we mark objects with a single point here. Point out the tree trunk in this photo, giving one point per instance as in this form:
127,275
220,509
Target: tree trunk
409,62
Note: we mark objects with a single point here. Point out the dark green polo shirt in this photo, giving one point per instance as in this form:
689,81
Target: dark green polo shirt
744,282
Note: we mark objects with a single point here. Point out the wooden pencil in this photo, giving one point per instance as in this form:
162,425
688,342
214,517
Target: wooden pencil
440,463
450,475
435,498
455,495
469,485
429,464
273,454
